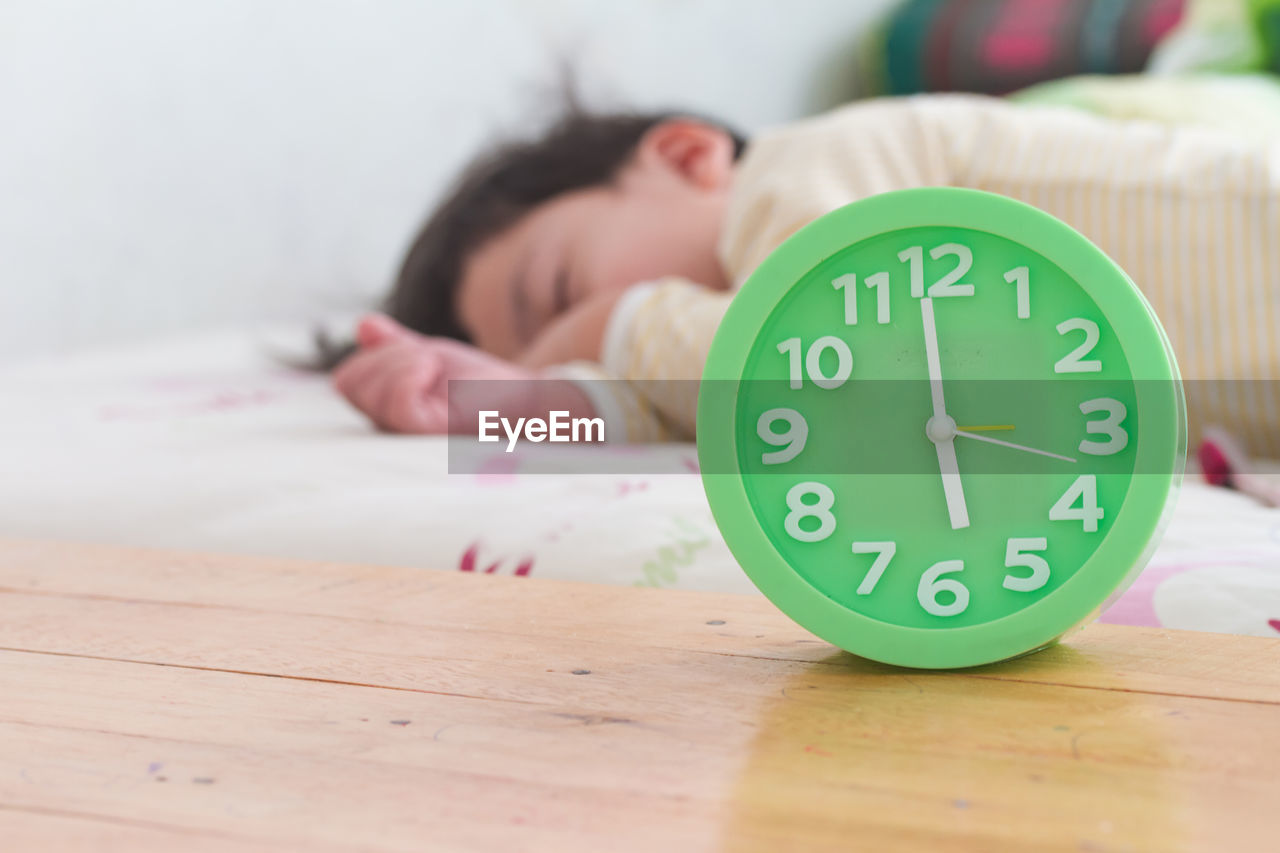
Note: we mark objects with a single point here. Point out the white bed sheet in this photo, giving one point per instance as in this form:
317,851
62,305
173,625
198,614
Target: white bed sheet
208,444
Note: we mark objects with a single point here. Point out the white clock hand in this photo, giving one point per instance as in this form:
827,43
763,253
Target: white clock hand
941,429
1014,446
931,356
951,486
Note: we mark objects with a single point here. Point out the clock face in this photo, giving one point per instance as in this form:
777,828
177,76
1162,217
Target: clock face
956,427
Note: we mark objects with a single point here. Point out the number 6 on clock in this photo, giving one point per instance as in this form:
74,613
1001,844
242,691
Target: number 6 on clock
932,583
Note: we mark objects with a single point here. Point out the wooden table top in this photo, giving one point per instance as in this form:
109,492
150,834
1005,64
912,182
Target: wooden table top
158,701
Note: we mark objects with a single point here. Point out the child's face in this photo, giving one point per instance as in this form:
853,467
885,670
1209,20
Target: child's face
661,217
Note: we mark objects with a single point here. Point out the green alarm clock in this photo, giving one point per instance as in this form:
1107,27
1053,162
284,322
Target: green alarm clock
940,428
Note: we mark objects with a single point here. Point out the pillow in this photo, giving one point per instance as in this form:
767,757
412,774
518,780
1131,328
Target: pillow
997,46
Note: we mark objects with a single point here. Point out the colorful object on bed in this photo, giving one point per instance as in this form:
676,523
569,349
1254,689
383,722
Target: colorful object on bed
998,46
940,428
1224,463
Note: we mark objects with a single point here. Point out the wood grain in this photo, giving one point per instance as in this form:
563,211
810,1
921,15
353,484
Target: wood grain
161,701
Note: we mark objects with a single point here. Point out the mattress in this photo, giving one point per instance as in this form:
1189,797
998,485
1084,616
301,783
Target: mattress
210,443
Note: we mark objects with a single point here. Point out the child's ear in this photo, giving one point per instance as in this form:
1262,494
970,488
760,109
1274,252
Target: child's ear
692,150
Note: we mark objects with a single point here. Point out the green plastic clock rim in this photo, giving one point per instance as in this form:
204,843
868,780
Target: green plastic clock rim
1106,573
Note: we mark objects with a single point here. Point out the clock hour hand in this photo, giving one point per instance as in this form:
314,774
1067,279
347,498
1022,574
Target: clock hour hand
952,489
941,429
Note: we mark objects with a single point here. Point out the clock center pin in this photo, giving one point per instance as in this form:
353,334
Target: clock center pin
940,428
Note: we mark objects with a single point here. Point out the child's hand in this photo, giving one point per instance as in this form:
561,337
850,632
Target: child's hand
399,379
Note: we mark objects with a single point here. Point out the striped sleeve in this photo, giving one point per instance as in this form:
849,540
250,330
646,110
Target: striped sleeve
658,338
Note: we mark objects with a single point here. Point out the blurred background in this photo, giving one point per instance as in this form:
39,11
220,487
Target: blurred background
170,166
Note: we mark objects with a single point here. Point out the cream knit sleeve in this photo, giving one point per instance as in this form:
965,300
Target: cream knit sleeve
657,340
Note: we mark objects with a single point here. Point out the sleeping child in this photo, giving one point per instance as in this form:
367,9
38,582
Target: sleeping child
611,247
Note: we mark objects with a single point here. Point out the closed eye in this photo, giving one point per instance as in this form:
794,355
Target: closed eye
560,293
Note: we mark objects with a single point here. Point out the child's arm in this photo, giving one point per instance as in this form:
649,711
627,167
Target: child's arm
637,354
641,399
658,338
576,336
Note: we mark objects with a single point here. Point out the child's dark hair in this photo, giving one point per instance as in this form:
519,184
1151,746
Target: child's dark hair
581,150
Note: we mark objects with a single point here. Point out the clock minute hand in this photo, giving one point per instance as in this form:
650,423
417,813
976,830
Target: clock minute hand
931,356
941,429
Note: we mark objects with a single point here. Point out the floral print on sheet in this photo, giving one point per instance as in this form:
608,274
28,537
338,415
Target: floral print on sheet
1217,569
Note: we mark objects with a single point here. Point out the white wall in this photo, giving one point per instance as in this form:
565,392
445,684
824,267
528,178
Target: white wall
170,164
